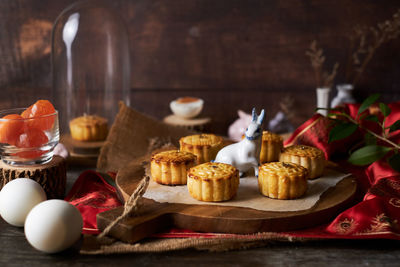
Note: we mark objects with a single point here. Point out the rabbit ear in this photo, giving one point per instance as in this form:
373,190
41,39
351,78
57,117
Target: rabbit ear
254,114
260,118
242,114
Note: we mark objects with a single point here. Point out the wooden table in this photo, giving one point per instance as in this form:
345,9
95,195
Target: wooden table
15,251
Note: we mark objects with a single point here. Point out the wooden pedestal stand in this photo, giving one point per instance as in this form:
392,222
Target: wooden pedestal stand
81,153
51,176
196,124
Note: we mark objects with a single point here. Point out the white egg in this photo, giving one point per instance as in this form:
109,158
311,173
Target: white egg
53,226
18,197
186,107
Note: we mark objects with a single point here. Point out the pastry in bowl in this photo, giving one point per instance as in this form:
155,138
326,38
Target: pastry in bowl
170,167
309,157
282,180
187,107
89,128
213,181
204,146
271,146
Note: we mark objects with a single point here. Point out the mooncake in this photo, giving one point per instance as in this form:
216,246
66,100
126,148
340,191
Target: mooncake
213,181
309,157
282,180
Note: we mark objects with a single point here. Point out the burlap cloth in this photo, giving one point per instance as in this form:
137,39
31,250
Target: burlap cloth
131,136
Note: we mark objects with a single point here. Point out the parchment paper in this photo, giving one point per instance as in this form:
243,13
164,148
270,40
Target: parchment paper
248,195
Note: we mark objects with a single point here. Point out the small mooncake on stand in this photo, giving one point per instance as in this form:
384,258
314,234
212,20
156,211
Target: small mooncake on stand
213,181
204,146
170,167
282,180
309,157
89,128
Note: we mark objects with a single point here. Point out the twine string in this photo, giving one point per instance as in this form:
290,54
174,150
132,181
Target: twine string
130,207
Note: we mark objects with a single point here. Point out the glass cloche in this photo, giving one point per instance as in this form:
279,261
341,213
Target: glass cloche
91,69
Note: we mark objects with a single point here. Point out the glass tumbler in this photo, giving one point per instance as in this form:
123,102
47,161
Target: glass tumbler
27,141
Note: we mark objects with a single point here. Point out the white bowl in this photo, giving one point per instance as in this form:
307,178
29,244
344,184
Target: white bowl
187,107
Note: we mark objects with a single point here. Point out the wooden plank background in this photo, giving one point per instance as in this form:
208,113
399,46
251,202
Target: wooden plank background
233,54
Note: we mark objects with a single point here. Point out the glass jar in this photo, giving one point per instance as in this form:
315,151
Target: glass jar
27,140
91,68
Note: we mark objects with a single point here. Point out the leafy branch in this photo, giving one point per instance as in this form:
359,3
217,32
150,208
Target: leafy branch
345,125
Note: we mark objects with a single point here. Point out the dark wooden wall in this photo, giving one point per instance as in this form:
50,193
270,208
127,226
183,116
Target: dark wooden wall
233,54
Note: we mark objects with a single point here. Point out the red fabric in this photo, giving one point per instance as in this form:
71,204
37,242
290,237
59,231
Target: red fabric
91,194
377,215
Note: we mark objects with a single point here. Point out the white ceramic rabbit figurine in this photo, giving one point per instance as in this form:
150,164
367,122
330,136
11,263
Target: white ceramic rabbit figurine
245,154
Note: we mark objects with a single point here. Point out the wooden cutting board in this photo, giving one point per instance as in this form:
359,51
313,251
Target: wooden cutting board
155,217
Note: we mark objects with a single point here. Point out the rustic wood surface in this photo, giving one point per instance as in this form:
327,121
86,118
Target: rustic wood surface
16,251
233,54
52,176
155,217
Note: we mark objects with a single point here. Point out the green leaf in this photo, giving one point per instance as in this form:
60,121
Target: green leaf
385,109
331,115
363,116
342,130
368,102
369,139
394,162
395,126
336,114
368,154
372,118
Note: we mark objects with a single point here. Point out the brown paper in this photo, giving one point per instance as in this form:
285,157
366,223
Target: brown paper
248,195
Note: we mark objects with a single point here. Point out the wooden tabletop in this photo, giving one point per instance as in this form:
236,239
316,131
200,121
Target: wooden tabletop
15,251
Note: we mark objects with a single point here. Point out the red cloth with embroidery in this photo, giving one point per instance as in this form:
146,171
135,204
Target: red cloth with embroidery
376,216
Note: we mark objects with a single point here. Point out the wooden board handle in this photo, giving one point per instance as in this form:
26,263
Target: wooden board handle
152,218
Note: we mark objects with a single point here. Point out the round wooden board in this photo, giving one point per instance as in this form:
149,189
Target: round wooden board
81,149
195,124
155,216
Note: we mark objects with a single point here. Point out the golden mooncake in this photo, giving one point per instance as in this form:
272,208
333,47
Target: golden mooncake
89,128
170,167
271,146
213,181
309,157
204,146
282,180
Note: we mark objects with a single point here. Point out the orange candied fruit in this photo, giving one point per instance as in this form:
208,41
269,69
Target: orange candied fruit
32,138
11,126
40,108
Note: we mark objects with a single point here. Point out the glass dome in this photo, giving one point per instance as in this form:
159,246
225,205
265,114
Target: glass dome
91,67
